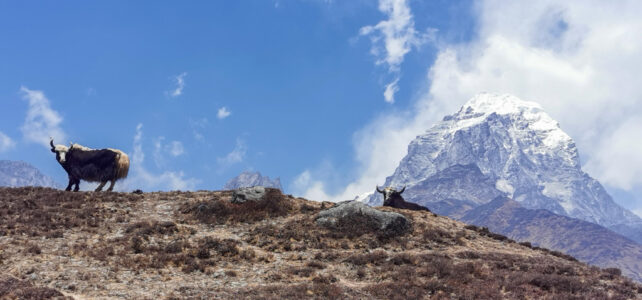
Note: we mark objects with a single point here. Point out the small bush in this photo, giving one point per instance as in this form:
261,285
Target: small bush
376,257
12,288
219,211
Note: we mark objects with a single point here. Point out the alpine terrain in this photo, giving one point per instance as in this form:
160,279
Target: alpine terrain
19,173
210,245
501,146
250,179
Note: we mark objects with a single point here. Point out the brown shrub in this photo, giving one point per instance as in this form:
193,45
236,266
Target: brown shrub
468,255
301,271
219,211
435,234
375,258
12,288
146,228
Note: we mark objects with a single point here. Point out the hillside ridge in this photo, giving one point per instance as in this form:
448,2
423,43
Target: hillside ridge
174,245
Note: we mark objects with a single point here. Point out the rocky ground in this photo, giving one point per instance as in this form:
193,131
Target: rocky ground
176,245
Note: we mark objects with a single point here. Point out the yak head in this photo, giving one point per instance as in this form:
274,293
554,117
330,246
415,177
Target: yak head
60,150
390,193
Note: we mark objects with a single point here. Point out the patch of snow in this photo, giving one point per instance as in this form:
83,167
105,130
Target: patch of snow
505,186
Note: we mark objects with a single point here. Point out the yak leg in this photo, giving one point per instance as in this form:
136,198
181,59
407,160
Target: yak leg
71,182
77,183
111,186
100,187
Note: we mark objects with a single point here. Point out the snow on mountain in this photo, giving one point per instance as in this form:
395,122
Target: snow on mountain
249,179
19,173
520,151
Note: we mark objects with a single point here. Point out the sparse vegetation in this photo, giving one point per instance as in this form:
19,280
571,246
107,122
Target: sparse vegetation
13,288
199,245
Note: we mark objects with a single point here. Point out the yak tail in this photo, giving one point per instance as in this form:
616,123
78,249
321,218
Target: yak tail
122,165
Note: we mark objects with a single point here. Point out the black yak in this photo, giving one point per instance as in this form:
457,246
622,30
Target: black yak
95,165
392,198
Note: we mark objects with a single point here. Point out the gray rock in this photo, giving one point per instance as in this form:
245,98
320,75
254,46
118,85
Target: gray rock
243,194
355,211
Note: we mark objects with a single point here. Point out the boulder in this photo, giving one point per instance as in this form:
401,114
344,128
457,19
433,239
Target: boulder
243,194
355,215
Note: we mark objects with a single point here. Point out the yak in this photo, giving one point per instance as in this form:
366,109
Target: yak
392,198
94,165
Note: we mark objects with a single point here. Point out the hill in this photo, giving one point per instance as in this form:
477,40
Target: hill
20,173
172,245
586,241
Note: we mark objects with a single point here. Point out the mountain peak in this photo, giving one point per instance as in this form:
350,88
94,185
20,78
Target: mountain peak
499,103
249,179
522,153
20,173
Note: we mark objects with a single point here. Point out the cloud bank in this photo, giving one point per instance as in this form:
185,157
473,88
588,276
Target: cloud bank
579,60
41,121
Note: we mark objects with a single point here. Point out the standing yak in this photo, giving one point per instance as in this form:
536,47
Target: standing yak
95,165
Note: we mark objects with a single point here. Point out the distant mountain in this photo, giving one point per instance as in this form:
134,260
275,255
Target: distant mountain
248,179
500,145
19,173
586,241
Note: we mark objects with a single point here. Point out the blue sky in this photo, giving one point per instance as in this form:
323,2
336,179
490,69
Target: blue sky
297,89
295,77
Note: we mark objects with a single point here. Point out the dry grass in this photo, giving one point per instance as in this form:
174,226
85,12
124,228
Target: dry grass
199,245
13,288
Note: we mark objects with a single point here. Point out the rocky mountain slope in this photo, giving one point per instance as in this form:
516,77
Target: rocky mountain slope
201,245
19,173
250,179
584,240
519,151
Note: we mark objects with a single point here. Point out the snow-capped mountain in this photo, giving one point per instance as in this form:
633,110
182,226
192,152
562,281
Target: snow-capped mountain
19,173
249,179
520,152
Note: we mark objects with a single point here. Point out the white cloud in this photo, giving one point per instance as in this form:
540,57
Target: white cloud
391,89
223,113
180,84
236,156
197,126
176,148
580,60
42,121
393,38
638,212
6,143
141,178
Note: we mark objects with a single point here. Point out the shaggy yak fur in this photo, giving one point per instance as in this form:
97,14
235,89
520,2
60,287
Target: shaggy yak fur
95,165
392,198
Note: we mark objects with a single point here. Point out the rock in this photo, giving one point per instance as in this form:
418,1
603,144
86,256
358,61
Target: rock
243,194
355,214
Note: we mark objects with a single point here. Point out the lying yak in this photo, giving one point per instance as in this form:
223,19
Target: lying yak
95,165
392,198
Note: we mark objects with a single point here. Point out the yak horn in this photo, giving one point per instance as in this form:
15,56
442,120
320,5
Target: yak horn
378,190
51,143
403,189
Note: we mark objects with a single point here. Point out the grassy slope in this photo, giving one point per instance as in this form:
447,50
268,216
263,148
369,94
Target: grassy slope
197,244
